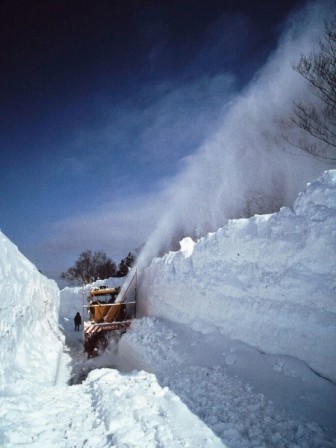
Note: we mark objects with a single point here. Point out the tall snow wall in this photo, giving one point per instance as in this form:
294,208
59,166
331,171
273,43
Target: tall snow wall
269,281
31,343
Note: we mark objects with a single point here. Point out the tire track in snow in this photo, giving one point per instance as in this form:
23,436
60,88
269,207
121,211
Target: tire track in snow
58,416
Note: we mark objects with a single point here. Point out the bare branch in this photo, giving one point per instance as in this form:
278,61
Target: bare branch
318,119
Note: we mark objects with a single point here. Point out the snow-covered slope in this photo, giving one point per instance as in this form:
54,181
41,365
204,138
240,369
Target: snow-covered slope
269,281
30,338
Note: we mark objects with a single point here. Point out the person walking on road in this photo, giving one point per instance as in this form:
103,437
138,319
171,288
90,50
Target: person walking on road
78,321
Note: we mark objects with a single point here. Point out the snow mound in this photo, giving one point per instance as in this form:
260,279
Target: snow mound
142,410
30,337
269,281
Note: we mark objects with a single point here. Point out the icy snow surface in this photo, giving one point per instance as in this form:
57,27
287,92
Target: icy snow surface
237,348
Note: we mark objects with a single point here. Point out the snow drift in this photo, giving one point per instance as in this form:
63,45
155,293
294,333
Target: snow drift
268,281
28,320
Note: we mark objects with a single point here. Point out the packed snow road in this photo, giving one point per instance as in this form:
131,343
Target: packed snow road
107,410
247,398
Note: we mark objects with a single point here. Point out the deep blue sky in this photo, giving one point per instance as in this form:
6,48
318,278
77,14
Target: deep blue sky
101,100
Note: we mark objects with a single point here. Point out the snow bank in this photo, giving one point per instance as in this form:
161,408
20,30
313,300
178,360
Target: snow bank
30,338
145,414
269,281
248,399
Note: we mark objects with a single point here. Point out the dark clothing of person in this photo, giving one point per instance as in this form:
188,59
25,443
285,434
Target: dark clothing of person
78,321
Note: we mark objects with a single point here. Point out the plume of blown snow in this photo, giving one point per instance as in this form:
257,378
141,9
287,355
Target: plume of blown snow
242,169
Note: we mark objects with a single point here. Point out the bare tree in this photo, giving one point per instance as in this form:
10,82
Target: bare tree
318,118
90,267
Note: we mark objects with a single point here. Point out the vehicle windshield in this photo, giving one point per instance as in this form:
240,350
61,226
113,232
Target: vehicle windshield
103,298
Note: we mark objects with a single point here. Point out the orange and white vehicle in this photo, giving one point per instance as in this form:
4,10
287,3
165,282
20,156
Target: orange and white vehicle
107,310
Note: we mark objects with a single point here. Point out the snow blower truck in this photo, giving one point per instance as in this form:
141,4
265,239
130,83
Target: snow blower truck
109,310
